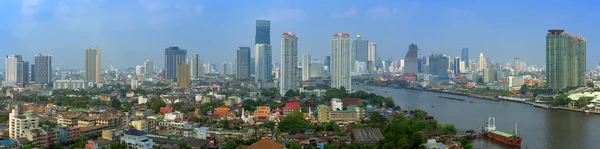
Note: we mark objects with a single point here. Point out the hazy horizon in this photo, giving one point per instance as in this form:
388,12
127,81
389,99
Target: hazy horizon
129,32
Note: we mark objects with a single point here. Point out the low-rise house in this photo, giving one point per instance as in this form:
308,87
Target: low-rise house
291,107
137,139
366,135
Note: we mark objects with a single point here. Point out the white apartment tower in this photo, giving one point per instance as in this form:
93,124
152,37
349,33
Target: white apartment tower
306,67
340,61
19,124
196,66
482,62
148,67
11,70
288,75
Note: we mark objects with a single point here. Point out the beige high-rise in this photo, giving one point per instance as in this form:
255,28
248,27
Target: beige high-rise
92,65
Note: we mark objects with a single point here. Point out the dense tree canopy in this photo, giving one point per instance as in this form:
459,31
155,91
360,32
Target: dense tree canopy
294,123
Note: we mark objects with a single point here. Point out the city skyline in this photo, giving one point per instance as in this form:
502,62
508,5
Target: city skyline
468,24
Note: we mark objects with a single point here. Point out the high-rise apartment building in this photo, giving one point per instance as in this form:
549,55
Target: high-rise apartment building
411,60
173,56
316,69
20,123
288,73
42,73
228,68
359,52
243,63
196,67
306,67
139,70
22,73
372,54
183,74
327,64
565,60
264,65
464,56
340,61
517,64
10,76
92,65
148,67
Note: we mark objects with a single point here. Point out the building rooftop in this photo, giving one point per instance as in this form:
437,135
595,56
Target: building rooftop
366,135
266,144
135,132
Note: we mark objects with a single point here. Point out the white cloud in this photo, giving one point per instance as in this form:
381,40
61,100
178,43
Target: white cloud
350,13
382,12
29,7
285,14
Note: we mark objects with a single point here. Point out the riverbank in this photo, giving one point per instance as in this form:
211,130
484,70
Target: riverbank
499,98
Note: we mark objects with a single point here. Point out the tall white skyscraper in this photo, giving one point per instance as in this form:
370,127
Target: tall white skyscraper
263,65
196,69
340,61
148,67
289,63
306,67
482,62
92,65
10,76
372,55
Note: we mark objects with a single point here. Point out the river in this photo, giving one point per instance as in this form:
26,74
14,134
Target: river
540,128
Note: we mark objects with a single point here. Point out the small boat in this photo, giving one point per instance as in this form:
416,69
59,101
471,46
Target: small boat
587,111
385,91
470,101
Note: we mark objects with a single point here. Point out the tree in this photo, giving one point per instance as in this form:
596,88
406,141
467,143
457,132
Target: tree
4,117
178,106
449,129
419,114
377,120
524,89
115,103
589,84
293,145
225,124
156,104
294,123
466,144
120,145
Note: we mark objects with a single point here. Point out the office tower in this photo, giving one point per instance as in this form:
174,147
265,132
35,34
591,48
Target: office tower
490,74
10,76
288,73
517,63
92,65
306,67
316,69
148,67
464,56
264,65
410,60
22,73
340,61
482,62
243,63
227,68
183,74
438,65
139,70
196,67
372,54
565,60
173,56
32,73
359,52
456,64
263,32
252,65
42,73
463,67
327,64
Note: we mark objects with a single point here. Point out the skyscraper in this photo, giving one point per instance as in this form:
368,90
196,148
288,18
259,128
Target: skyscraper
92,65
196,66
316,69
22,73
372,54
359,52
263,32
456,64
340,61
173,56
482,62
10,76
264,65
327,63
411,59
183,74
517,63
243,63
252,65
148,67
43,69
464,56
139,70
288,75
227,68
565,60
438,65
32,78
306,67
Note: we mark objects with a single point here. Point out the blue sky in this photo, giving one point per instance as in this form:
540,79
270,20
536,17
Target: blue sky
131,31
